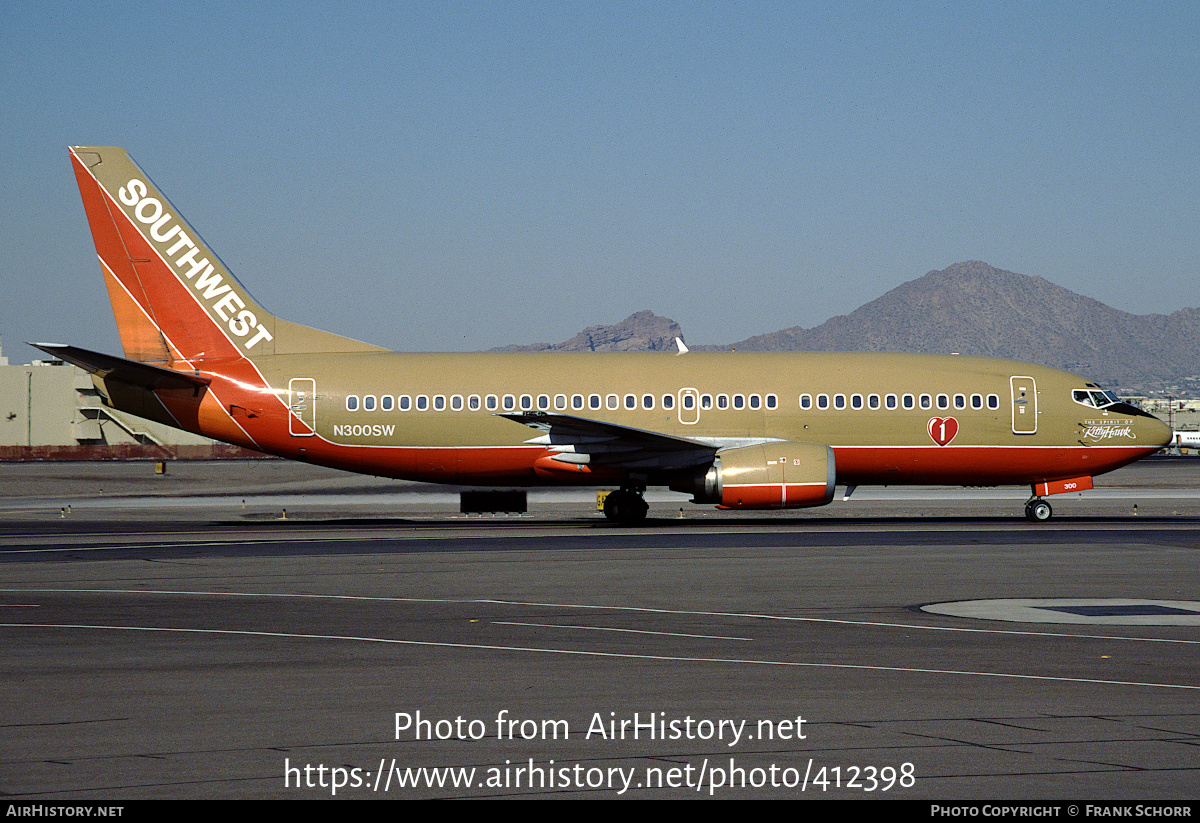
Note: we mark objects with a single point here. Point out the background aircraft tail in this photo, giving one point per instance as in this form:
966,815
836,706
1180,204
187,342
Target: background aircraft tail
173,298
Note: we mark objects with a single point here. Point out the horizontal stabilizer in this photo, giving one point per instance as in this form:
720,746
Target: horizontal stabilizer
127,371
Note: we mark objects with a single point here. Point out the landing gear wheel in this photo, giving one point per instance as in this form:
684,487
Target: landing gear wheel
625,507
1038,511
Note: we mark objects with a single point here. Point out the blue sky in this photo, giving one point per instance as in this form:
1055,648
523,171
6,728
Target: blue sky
457,176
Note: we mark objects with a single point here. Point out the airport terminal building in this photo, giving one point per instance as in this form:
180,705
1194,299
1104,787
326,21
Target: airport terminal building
49,410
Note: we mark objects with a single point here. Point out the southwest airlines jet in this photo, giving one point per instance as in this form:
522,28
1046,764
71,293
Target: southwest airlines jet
739,430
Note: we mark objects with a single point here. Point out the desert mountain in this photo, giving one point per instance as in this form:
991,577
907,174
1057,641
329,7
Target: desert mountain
644,331
969,308
973,308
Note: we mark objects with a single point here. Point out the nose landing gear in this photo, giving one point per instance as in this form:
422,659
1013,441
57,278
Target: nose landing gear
1038,510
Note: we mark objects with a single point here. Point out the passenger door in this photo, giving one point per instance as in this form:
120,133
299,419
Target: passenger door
1024,405
689,406
302,396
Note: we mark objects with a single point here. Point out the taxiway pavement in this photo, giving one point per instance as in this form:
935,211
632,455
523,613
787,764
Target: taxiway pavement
180,650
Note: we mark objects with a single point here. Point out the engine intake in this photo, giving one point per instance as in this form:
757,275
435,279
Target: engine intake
784,475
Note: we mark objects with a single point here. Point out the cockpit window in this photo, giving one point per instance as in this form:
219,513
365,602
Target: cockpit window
1095,398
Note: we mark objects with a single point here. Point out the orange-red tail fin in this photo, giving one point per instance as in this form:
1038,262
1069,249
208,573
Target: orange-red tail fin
173,298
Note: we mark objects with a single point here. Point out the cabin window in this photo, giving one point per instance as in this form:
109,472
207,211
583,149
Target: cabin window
456,402
977,401
755,401
386,401
593,401
722,401
510,402
839,401
492,402
872,401
806,401
993,401
668,401
647,402
960,401
527,402
772,401
908,401
473,402
926,401
577,402
544,402
890,401
560,402
739,401
404,402
422,402
822,401
352,402
689,402
612,402
706,401
630,402
943,401
369,402
439,402
856,401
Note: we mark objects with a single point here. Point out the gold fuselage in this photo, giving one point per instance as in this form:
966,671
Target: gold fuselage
880,411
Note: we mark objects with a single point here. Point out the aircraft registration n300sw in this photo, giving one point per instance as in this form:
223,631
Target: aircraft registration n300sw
739,430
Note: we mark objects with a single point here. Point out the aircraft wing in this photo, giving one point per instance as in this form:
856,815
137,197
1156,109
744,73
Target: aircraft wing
142,375
579,440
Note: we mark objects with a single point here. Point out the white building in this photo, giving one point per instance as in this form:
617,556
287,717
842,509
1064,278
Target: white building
51,410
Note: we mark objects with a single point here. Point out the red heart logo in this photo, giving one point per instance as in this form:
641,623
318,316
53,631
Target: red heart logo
942,429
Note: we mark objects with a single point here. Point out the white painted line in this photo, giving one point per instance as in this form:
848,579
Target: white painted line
641,609
613,629
626,656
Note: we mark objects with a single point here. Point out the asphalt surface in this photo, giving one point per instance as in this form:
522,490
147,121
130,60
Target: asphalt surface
178,637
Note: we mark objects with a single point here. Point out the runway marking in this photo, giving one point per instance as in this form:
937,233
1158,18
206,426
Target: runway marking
613,629
189,544
423,533
642,609
1112,611
623,655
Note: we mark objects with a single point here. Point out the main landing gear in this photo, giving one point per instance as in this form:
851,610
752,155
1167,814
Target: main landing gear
1038,510
626,507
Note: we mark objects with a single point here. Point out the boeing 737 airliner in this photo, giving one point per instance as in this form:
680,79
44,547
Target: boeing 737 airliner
739,430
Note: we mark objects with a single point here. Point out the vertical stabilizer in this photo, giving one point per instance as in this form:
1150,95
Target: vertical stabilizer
173,298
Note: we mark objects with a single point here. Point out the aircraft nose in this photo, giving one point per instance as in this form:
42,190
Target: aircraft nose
1155,432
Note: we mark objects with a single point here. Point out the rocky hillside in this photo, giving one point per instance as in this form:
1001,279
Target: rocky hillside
973,308
644,331
968,308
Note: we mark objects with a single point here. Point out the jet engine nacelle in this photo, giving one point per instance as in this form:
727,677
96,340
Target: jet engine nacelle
783,475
